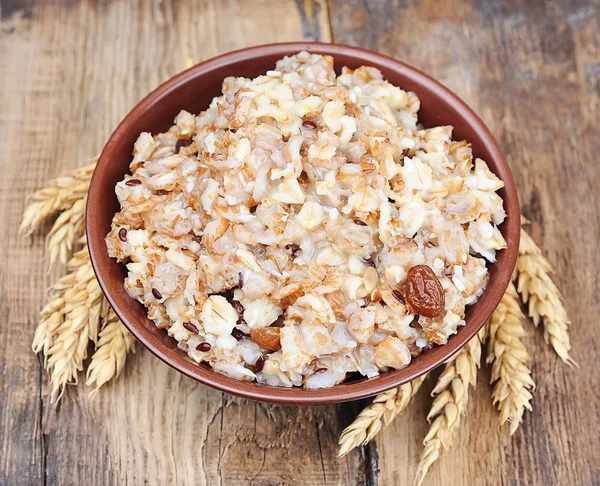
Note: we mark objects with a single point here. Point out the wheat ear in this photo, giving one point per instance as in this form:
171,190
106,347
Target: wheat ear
542,298
69,323
385,407
451,399
510,375
115,341
59,195
52,315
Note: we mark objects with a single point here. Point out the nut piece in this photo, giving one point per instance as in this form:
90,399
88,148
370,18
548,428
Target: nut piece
423,292
267,338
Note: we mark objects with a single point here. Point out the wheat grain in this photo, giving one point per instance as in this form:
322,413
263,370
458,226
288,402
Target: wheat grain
65,231
111,353
385,407
451,399
403,398
66,282
510,375
67,228
59,195
79,258
542,298
50,320
356,433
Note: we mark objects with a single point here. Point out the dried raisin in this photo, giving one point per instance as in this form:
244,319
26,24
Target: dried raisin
423,292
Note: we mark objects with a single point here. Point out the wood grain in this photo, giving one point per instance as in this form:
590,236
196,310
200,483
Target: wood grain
71,70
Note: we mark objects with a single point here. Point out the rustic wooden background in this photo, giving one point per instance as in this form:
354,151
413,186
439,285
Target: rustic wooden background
69,71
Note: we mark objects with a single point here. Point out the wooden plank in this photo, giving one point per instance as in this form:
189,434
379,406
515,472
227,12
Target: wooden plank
71,71
532,72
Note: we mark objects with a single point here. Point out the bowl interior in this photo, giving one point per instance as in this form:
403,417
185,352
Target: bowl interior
193,90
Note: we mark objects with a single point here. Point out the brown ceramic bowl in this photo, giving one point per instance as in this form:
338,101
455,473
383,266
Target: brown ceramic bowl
193,90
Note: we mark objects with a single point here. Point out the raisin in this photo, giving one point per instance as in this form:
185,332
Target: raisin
423,292
267,338
183,142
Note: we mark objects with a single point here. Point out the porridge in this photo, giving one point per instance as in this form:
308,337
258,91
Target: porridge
306,227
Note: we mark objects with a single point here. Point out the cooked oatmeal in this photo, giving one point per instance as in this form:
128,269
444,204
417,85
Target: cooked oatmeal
305,227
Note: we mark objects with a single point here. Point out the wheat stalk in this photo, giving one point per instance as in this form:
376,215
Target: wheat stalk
59,195
385,407
108,360
65,231
451,399
510,375
542,297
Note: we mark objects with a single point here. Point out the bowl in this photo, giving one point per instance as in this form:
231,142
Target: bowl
193,90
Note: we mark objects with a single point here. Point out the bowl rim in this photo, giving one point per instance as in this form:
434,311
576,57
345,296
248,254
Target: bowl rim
349,390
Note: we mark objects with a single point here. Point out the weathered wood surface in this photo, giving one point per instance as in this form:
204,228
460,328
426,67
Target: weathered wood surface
71,70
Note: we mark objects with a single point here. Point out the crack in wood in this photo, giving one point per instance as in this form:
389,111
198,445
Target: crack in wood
221,452
371,464
321,454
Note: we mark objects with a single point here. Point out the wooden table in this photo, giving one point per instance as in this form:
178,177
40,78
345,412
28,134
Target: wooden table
71,70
